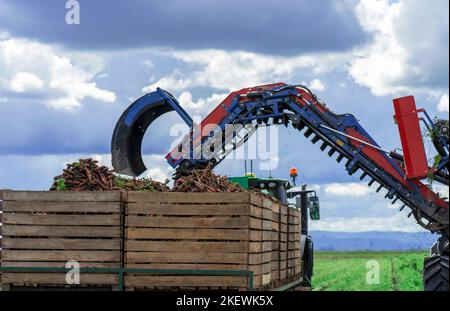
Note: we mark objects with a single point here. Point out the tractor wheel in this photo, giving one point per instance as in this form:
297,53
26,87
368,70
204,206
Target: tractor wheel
435,273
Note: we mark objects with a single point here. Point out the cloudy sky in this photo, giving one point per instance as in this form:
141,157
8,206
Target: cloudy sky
63,87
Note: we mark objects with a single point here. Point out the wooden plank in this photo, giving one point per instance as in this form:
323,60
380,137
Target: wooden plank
294,229
187,234
294,237
266,268
256,211
275,256
275,245
59,255
266,235
269,204
255,259
267,214
184,222
256,223
57,278
275,226
59,264
255,235
258,235
275,275
183,209
63,196
61,231
176,197
65,244
257,199
61,220
294,254
267,225
291,263
294,245
175,281
61,207
187,246
187,266
184,257
258,247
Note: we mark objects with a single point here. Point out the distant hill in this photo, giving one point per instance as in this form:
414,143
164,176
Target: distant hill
373,240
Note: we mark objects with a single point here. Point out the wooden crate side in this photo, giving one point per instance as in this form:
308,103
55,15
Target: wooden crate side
187,234
63,196
184,257
60,244
188,266
60,220
57,278
61,231
259,247
61,207
215,222
261,258
60,255
185,198
59,264
185,280
199,209
188,246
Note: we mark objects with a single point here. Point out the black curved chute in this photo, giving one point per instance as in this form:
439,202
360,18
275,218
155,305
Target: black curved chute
130,130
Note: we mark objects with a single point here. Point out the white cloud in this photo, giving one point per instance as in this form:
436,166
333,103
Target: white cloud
383,63
405,55
441,189
399,222
347,189
443,105
176,81
4,35
25,81
229,71
396,205
148,63
317,85
29,66
202,104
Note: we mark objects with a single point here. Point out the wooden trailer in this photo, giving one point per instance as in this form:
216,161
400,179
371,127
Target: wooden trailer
148,241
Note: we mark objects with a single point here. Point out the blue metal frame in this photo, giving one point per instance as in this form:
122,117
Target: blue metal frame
279,100
176,106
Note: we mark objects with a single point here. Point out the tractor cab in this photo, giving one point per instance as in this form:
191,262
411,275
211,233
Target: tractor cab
276,188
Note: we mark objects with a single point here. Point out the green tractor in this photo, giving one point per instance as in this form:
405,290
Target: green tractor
301,198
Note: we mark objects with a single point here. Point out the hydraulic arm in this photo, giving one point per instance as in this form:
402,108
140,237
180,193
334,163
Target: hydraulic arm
339,135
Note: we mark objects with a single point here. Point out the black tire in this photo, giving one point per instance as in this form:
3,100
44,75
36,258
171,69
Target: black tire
435,273
308,262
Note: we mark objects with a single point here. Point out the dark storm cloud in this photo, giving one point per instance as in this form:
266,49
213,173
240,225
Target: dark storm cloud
273,27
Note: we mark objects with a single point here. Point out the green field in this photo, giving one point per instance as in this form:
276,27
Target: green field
346,271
